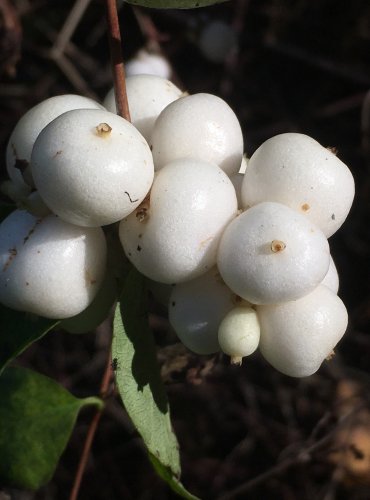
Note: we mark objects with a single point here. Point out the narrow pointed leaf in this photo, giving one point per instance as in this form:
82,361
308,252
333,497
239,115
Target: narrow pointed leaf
137,375
170,479
174,4
17,331
37,417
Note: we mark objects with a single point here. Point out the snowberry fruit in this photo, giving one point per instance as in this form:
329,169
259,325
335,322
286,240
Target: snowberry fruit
49,267
173,236
270,253
97,311
239,333
196,308
297,336
24,135
297,171
147,63
331,279
147,96
92,167
237,180
199,126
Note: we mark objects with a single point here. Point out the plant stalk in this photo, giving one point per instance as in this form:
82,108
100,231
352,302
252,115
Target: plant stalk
118,69
91,431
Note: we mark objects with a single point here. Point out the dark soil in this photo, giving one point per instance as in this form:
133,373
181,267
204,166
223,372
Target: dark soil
245,432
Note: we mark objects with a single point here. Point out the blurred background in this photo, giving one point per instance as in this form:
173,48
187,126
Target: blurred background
246,432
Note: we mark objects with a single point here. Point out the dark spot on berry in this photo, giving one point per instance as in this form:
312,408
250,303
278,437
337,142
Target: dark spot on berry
31,231
12,255
332,216
138,248
173,304
129,197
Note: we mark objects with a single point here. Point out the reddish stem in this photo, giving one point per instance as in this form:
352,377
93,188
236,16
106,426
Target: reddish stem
115,45
104,386
122,110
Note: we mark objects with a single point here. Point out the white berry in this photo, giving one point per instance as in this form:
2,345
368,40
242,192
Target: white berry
25,133
92,167
237,180
97,311
297,171
239,333
196,309
49,267
147,96
173,237
271,253
199,126
146,63
297,336
331,279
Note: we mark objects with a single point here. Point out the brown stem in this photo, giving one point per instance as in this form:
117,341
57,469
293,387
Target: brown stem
122,110
118,68
104,386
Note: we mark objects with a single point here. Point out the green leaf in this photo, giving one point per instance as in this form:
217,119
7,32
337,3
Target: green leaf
18,331
172,481
174,4
138,377
139,382
37,417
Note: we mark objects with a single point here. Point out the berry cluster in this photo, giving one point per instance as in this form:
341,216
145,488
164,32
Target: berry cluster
244,257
